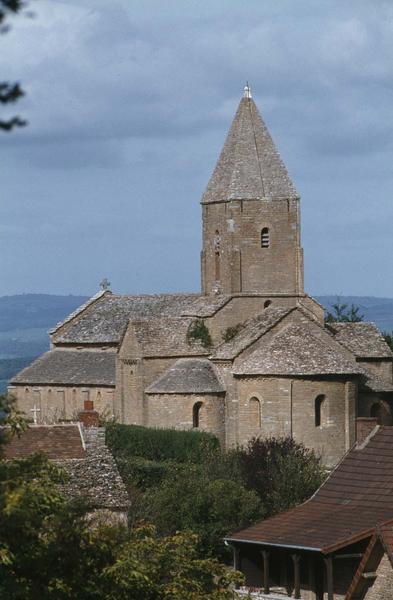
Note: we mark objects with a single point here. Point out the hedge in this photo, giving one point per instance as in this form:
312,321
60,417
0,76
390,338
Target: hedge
160,445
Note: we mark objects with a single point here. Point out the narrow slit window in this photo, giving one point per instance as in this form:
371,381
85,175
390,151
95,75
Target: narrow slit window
255,412
196,409
217,274
265,238
319,406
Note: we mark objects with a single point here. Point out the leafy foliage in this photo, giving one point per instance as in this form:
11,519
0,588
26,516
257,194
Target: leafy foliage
231,332
208,507
281,471
198,331
211,492
344,313
10,92
159,444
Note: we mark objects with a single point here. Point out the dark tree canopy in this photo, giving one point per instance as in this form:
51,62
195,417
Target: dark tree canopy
344,313
10,92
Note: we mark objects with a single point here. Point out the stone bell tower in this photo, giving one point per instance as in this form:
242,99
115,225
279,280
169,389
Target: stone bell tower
251,215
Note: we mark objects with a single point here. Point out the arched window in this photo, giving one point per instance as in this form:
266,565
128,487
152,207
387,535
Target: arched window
267,303
255,412
196,409
320,406
265,238
382,413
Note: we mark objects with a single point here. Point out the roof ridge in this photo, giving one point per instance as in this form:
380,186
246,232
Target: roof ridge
80,309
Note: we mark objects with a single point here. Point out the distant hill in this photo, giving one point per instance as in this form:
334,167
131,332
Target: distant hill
25,320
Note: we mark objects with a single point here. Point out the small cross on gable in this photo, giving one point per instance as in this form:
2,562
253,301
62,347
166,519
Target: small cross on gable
35,410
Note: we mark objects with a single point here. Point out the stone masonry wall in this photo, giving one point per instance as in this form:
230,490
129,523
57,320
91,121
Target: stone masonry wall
62,402
243,265
176,411
288,408
382,589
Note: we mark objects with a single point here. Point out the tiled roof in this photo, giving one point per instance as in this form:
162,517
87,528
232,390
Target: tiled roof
363,339
105,321
70,367
296,351
253,329
58,442
80,309
166,337
376,384
96,477
349,505
82,453
188,376
249,166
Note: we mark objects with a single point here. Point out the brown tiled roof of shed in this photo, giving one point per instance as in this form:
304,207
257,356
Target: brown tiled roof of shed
70,367
296,351
58,442
166,336
188,376
105,320
364,340
249,166
355,498
253,329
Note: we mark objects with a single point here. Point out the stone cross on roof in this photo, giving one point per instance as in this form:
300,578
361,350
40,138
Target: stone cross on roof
105,284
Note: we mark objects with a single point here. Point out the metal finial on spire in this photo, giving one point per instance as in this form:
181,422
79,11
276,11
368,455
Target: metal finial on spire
105,284
247,91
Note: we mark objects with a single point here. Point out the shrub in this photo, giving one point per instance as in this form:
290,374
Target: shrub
209,508
198,331
160,444
231,332
281,471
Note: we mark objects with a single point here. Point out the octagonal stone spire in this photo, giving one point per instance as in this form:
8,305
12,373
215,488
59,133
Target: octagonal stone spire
249,166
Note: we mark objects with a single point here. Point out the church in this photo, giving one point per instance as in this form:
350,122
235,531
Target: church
248,356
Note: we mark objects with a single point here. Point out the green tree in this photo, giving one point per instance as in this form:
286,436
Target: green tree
282,472
10,92
210,508
343,313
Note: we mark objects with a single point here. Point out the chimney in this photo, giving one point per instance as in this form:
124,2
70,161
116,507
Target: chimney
364,426
88,416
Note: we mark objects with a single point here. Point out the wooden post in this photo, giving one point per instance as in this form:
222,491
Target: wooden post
296,569
283,571
311,577
237,563
266,578
329,576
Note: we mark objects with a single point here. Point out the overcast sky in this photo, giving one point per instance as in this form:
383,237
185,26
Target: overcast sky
129,103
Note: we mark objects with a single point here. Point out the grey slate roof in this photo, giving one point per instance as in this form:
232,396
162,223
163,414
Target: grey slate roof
105,321
376,384
296,351
188,376
364,340
249,166
96,477
166,337
70,367
253,329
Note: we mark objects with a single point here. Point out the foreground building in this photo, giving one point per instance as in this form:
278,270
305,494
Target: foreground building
250,355
79,448
339,544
